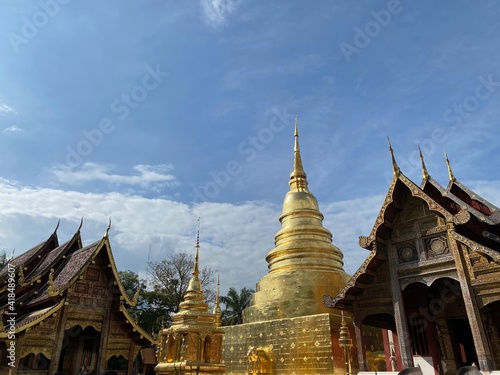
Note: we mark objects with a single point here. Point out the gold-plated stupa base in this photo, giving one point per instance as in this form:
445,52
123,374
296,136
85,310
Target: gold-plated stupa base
293,293
306,345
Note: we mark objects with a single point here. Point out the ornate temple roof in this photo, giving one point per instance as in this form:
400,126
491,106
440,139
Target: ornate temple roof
476,223
52,271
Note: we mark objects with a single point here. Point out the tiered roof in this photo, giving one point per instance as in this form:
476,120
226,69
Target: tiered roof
477,223
45,275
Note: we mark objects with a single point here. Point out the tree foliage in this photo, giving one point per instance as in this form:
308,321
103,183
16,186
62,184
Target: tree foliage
168,283
3,259
234,305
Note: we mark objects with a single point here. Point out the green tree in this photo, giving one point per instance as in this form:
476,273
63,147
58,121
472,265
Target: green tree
234,305
3,259
167,287
131,283
171,276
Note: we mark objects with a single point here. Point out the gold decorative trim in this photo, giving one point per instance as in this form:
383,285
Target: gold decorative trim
462,217
112,265
31,323
329,301
415,192
136,327
474,246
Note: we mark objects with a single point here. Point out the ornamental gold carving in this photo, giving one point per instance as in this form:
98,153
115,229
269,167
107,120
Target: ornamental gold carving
462,217
407,252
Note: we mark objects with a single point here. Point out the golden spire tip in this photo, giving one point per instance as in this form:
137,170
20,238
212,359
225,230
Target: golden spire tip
195,270
298,179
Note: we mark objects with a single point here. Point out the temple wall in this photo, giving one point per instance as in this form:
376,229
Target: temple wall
303,345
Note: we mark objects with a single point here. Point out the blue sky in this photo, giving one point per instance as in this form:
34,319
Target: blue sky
156,112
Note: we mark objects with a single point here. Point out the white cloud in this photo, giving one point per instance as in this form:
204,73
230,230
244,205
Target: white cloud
146,176
216,12
5,109
235,238
12,129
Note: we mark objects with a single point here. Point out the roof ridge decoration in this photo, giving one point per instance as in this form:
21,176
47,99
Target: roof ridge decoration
30,323
474,246
446,193
461,217
106,234
80,226
21,280
37,272
395,169
329,301
450,172
298,178
112,264
57,226
51,289
136,326
425,173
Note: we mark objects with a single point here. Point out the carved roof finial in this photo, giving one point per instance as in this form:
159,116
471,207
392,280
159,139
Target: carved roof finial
81,224
106,234
57,226
395,168
450,172
425,174
51,291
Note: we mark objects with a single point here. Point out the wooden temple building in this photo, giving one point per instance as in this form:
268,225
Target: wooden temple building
431,279
63,309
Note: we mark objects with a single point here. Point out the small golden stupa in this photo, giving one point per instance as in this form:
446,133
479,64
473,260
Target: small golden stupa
286,329
193,344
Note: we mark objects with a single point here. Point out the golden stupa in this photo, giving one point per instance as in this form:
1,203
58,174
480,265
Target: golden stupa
304,265
193,343
286,329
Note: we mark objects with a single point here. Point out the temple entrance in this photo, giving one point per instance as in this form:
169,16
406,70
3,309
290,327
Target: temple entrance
80,351
438,325
462,342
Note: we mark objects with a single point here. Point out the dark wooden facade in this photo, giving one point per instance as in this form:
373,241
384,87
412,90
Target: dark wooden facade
69,310
432,278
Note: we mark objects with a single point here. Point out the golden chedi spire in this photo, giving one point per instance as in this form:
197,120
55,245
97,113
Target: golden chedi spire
298,180
193,343
304,264
194,298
